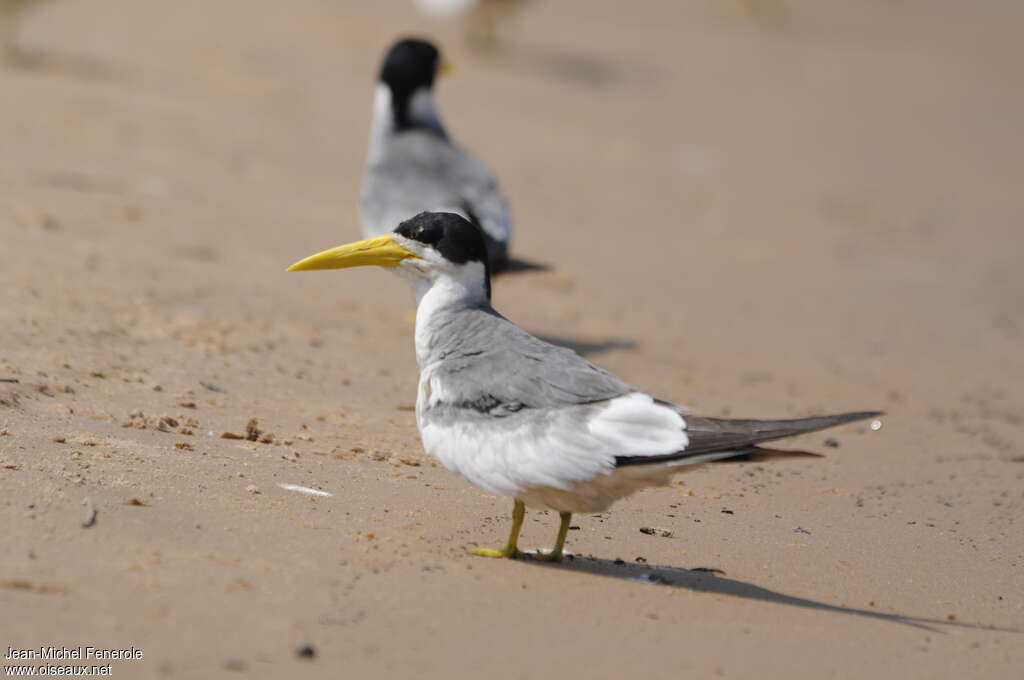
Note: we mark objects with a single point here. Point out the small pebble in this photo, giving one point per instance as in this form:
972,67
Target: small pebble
90,514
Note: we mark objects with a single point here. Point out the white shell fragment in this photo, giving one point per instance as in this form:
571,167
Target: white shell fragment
304,489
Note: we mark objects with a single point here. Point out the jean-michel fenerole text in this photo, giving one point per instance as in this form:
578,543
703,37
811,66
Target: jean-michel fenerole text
81,652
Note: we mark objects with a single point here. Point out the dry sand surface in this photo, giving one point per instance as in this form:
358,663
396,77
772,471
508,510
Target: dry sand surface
762,209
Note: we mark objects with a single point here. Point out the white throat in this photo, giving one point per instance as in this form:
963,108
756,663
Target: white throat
422,113
463,288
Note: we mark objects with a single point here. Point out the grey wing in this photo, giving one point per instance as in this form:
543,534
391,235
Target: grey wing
484,205
404,182
511,412
487,371
420,171
487,361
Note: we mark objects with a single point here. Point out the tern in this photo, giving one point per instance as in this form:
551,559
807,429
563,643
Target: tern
413,165
520,417
482,20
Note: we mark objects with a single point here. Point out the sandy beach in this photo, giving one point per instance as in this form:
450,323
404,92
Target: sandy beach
758,209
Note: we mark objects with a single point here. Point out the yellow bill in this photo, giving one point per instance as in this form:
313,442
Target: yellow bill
380,250
445,68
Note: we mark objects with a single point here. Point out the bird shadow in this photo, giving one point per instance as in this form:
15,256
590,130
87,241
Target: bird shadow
710,580
588,347
557,63
63,65
516,265
760,454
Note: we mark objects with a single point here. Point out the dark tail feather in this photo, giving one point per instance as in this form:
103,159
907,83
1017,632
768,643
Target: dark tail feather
717,434
710,435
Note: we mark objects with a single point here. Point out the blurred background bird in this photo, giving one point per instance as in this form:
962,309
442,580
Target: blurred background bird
11,12
483,21
414,166
766,15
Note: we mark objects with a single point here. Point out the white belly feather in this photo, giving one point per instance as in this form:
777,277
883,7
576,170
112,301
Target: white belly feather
562,459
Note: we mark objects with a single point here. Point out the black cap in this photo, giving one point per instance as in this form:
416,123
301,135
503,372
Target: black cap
411,64
455,238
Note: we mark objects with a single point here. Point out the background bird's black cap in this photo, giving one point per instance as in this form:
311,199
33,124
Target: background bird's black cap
411,63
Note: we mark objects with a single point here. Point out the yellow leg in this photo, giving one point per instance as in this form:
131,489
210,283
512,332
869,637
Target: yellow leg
511,548
556,553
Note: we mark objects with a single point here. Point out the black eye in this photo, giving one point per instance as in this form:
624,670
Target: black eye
432,234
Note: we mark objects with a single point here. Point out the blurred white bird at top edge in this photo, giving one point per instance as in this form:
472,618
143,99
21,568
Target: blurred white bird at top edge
483,21
11,12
